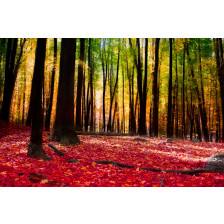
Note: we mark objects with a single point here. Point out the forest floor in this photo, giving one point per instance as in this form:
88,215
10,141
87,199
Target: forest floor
16,169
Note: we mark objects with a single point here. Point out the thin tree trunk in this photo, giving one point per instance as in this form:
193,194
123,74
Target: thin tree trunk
91,86
24,98
104,84
220,68
204,116
79,86
183,96
176,99
114,91
123,120
10,77
87,109
169,114
155,91
50,102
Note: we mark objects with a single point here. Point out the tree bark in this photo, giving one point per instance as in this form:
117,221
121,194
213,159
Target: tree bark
155,91
64,130
35,149
203,108
176,102
50,102
113,92
10,77
220,68
91,86
169,114
183,96
79,86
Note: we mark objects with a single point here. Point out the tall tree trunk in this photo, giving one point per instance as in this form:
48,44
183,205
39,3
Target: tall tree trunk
35,149
169,114
109,126
203,108
64,130
24,98
132,124
141,90
220,68
79,86
144,94
176,103
87,109
105,76
123,118
10,77
183,96
141,120
2,57
91,85
83,99
155,91
217,114
50,101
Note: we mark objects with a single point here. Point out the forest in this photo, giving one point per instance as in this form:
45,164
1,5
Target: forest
111,112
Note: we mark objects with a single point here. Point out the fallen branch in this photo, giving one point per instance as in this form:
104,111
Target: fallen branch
140,139
189,172
92,133
56,150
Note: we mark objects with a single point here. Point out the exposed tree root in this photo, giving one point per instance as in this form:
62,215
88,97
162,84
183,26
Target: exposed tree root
56,150
36,151
72,160
114,163
189,172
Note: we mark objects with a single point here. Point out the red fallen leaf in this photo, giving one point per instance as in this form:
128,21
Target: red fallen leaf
180,154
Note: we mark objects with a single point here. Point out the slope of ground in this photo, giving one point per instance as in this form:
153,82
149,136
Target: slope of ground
18,170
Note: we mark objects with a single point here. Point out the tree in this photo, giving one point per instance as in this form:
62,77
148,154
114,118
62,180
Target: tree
35,149
132,121
64,130
175,106
155,91
11,70
183,96
169,114
79,86
2,57
89,103
142,85
220,69
113,90
50,101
